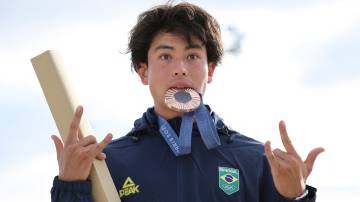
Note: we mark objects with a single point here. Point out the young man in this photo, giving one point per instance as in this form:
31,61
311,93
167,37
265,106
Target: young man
181,155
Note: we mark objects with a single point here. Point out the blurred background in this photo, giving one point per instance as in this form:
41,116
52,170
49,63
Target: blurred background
296,61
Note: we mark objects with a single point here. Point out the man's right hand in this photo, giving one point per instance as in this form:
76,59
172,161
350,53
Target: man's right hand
76,154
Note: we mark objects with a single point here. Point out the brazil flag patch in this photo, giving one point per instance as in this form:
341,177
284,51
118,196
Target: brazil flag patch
229,180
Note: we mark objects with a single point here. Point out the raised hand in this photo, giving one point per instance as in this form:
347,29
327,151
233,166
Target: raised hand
76,155
288,170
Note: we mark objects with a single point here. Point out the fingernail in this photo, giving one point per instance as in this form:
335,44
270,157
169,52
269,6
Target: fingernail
79,109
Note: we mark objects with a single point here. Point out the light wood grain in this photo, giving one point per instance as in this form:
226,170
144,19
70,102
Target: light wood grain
62,103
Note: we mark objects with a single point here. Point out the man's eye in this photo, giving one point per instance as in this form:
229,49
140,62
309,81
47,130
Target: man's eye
165,57
193,57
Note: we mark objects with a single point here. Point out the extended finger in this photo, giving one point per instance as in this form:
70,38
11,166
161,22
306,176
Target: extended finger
310,160
104,143
87,140
286,140
74,126
58,145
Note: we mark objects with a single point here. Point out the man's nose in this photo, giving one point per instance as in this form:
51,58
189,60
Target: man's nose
180,69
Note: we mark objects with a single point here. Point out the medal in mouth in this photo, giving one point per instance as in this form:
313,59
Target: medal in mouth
188,101
182,100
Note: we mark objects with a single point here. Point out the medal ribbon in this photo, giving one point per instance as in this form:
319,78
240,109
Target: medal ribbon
181,145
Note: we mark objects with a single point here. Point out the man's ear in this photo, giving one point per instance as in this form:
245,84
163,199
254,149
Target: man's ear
211,71
143,73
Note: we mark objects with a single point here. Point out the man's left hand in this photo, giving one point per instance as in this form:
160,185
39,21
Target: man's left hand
289,171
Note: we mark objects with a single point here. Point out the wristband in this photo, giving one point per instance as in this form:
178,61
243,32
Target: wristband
302,195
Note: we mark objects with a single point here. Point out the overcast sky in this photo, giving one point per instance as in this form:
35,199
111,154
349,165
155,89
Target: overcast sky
298,62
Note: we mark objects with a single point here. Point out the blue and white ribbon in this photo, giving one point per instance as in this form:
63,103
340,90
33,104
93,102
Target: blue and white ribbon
181,144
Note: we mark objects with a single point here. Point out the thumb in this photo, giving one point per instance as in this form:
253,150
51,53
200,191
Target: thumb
310,159
58,145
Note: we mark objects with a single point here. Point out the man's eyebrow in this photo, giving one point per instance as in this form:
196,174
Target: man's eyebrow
169,47
195,46
164,46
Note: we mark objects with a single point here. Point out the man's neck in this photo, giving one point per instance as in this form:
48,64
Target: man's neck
167,113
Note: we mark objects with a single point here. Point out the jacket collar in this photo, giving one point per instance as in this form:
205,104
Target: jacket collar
149,121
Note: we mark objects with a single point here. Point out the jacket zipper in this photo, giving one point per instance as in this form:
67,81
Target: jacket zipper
179,180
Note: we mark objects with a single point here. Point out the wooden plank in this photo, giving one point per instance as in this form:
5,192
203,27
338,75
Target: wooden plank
62,103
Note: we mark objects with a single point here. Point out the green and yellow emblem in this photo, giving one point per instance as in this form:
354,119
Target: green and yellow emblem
229,180
128,188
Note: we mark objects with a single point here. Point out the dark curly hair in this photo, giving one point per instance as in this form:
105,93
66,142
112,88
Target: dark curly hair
184,18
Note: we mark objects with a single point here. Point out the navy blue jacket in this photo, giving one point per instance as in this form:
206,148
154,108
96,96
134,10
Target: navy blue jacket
144,169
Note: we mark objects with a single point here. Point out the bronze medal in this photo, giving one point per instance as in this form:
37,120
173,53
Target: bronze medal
182,100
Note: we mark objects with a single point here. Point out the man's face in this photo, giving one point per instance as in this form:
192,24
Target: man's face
174,63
